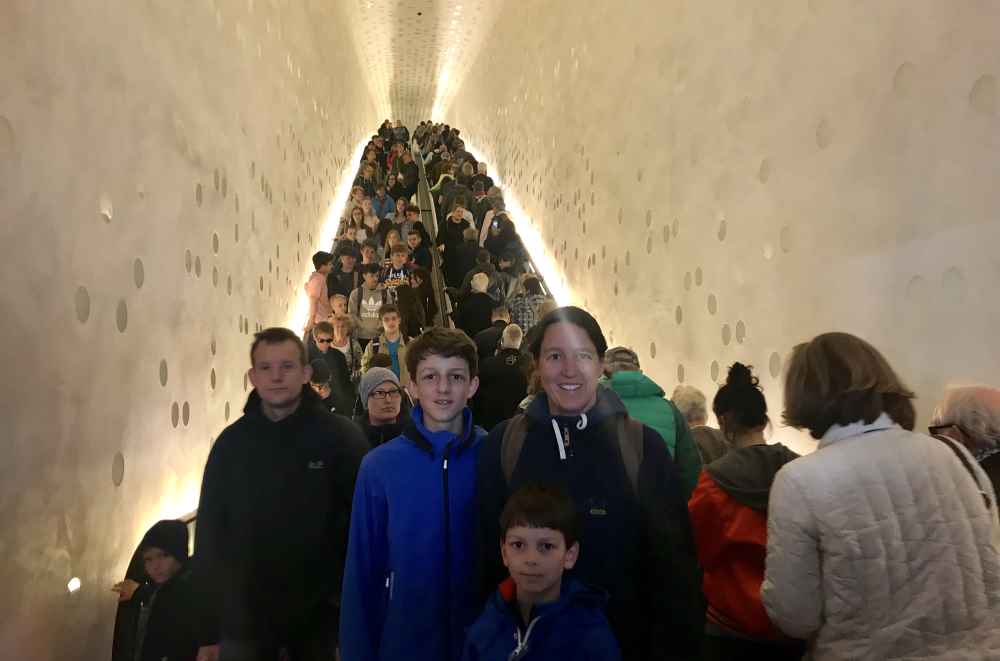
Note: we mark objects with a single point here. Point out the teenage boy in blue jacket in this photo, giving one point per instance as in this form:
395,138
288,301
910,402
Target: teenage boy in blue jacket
537,614
409,583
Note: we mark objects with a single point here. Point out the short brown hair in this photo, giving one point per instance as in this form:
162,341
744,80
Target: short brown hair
277,335
839,379
388,308
323,327
444,342
399,249
541,506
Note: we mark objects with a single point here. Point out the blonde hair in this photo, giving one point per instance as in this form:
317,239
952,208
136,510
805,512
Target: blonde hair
345,319
973,409
480,283
512,337
691,403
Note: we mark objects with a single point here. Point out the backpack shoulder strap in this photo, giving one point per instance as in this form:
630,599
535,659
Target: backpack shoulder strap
968,467
512,443
630,441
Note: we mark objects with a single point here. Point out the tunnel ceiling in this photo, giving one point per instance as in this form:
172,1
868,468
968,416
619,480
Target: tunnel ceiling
418,51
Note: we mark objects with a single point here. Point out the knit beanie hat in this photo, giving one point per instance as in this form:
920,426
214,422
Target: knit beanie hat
620,359
373,378
171,536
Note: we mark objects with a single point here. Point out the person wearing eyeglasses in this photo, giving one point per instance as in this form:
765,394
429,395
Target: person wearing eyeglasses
342,392
382,400
970,415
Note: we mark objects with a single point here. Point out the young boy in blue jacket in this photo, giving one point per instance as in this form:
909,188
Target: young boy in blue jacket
535,614
409,582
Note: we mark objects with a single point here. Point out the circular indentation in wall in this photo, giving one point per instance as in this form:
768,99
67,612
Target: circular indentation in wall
680,373
768,251
983,96
277,250
262,283
679,314
649,218
621,215
227,412
953,282
138,273
212,346
687,281
785,239
225,185
902,81
215,276
699,276
774,364
741,331
713,304
676,227
186,414
616,288
81,301
727,334
229,285
638,175
722,230
215,243
211,378
764,171
106,208
188,260
824,134
118,469
236,204
197,194
246,382
652,349
628,258
714,371
164,372
121,316
175,414
197,267
604,252
649,245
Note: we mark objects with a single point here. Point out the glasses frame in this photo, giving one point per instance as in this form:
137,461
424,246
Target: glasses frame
385,394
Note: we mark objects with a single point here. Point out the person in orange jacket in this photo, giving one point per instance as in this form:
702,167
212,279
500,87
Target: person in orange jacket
729,515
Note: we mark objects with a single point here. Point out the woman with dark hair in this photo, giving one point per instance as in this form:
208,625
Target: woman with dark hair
638,543
502,236
420,281
729,515
880,544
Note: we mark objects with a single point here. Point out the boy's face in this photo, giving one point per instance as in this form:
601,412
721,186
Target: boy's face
367,253
326,268
351,233
536,559
347,262
398,259
278,373
413,240
371,280
160,565
323,341
442,386
338,304
390,323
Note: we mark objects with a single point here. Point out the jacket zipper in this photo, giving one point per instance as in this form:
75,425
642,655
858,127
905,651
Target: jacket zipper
447,549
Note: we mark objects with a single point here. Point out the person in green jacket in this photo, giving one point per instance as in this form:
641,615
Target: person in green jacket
645,402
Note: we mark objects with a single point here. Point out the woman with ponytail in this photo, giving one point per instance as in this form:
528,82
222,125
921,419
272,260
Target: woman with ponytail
729,514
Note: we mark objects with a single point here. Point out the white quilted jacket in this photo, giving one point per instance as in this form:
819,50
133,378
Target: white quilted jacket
880,547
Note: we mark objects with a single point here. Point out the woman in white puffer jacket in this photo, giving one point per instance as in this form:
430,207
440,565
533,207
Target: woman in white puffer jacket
882,544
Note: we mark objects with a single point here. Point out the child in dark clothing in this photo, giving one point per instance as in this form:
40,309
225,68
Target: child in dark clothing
167,623
536,614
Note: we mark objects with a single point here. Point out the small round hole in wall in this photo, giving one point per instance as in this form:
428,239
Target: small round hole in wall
652,349
679,314
715,370
741,331
687,281
211,378
121,316
118,469
188,261
723,229
727,334
212,346
713,304
229,285
215,276
676,227
197,194
138,273
680,373
226,412
186,414
163,373
774,364
81,301
197,267
215,243
175,414
699,276
649,245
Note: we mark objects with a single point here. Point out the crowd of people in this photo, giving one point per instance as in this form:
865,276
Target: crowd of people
493,482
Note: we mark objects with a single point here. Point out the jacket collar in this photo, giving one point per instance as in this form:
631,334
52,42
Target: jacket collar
608,404
435,442
840,432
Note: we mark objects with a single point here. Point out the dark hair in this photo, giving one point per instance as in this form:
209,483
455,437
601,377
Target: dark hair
532,286
278,335
322,258
501,311
569,314
323,327
411,208
838,379
741,399
370,268
483,256
380,360
388,308
423,274
459,202
541,506
399,248
444,342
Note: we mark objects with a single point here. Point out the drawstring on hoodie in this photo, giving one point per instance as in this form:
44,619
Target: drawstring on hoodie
522,643
562,439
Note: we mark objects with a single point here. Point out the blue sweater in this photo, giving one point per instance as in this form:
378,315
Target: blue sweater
574,627
409,589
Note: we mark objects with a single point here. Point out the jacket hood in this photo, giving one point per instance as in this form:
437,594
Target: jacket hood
608,405
436,442
572,592
746,474
634,384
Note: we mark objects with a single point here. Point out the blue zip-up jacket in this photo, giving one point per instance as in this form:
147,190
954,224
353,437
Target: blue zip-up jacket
409,589
574,627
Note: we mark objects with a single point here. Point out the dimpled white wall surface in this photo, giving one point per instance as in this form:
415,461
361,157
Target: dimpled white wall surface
718,181
165,170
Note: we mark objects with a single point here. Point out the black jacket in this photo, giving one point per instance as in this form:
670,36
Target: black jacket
640,550
342,390
380,434
488,341
474,313
170,632
338,282
503,383
272,525
456,251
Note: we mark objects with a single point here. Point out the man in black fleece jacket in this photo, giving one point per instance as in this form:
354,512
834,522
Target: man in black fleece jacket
274,514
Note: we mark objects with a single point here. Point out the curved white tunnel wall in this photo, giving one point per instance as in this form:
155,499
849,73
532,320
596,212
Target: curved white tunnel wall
720,181
165,169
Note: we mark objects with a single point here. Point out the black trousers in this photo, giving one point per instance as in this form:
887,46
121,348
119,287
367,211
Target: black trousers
718,648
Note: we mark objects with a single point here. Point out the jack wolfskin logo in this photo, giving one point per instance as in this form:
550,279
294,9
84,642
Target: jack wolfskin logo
316,465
